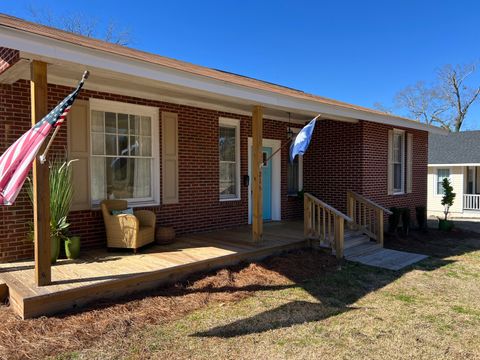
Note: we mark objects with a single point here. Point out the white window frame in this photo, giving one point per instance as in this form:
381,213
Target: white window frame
400,191
133,109
295,131
437,178
231,123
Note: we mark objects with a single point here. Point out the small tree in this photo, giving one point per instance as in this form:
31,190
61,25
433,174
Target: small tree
448,196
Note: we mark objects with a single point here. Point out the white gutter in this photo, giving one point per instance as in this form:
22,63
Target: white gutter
64,51
448,165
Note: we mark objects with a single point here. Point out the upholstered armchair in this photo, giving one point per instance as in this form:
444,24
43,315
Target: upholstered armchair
126,230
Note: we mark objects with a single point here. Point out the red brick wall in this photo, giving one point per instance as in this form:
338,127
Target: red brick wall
199,208
8,57
374,167
345,156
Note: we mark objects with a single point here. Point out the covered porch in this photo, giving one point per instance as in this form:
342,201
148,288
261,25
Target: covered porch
471,196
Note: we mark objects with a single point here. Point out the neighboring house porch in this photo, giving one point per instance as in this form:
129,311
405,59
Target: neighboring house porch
457,157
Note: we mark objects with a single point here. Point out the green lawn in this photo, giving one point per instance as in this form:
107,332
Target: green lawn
429,311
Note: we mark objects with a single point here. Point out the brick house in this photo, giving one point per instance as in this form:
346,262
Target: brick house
148,128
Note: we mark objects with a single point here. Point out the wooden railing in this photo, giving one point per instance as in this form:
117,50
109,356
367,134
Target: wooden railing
367,216
471,202
325,223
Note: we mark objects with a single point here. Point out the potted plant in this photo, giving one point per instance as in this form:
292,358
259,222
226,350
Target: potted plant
447,202
61,193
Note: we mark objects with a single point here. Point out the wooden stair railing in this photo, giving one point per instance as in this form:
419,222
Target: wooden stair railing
325,223
367,216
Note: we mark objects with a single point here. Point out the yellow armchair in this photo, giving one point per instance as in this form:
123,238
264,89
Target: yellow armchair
126,230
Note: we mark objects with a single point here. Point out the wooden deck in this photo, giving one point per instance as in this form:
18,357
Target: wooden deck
100,274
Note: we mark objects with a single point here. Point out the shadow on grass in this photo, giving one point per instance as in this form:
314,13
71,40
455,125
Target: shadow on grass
337,289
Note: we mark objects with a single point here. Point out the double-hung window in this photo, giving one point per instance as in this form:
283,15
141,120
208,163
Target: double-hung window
124,153
398,162
441,174
229,158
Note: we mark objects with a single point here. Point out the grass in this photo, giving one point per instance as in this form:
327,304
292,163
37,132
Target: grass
301,305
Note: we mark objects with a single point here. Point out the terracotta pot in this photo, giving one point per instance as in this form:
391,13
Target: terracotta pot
165,235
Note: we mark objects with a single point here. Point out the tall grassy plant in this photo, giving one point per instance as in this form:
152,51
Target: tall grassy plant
61,194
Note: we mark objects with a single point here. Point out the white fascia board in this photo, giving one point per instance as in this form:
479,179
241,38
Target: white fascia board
55,49
452,165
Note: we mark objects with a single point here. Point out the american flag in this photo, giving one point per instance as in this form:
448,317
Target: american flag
16,161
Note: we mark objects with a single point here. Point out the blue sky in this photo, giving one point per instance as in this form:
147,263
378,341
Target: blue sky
360,52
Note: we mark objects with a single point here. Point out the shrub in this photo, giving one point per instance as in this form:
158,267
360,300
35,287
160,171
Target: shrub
393,220
421,215
405,212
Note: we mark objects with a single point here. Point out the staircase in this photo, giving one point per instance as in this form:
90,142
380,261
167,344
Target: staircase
347,235
357,236
356,243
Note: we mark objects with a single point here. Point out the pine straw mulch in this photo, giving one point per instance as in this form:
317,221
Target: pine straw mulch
108,322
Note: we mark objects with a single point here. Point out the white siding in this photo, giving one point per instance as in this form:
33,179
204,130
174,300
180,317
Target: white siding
434,206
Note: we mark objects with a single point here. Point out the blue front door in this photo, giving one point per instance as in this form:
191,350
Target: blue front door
267,184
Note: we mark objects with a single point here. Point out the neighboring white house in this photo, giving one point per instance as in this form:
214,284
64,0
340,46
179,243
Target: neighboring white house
456,156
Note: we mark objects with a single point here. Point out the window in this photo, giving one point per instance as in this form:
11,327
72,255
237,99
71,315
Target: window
229,156
398,162
470,180
441,174
295,173
124,153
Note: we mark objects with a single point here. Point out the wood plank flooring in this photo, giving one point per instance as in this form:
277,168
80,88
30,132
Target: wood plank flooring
99,274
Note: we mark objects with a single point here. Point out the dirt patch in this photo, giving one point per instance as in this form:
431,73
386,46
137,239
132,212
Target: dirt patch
108,321
434,242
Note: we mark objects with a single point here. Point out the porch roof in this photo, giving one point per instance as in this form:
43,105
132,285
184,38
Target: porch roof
69,52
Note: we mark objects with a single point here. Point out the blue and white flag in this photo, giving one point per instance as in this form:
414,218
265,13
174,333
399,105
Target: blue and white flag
302,140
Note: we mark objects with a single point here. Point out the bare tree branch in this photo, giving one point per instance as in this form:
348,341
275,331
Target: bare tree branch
81,24
444,103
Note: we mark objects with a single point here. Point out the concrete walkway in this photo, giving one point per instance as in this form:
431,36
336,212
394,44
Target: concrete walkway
370,253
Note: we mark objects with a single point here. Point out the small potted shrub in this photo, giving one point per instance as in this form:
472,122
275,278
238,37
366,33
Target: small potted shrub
394,220
447,201
421,215
405,213
61,193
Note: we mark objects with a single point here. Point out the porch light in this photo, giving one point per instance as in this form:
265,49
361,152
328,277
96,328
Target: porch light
289,130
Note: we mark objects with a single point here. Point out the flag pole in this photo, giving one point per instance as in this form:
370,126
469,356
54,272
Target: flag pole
43,157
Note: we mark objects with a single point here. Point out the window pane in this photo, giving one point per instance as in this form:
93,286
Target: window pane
97,121
111,144
292,181
134,124
122,123
110,122
98,179
227,178
123,145
98,144
397,177
134,146
146,146
146,128
226,144
129,178
441,174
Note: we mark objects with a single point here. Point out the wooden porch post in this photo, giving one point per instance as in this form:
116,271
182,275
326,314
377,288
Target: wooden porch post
41,188
257,197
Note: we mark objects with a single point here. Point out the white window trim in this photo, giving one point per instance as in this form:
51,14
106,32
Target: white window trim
295,131
402,190
235,123
153,113
435,187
